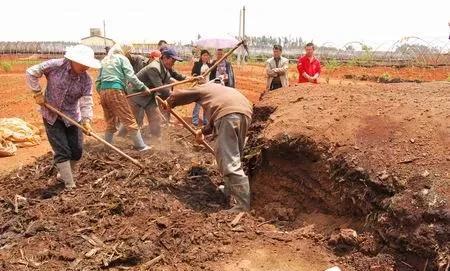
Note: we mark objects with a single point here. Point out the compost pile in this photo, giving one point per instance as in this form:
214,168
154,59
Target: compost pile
169,214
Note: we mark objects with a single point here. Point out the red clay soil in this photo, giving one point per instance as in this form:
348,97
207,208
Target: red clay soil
406,73
16,101
377,156
348,175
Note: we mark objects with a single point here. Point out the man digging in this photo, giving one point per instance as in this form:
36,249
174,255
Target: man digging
69,89
157,73
230,115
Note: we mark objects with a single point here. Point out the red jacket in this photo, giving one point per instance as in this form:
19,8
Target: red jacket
310,67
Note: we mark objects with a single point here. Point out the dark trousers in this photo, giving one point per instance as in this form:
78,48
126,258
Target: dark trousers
164,94
275,85
66,142
153,117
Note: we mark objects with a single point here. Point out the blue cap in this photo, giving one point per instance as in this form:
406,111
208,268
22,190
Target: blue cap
170,52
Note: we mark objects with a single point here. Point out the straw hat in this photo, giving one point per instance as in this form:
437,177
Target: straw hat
83,55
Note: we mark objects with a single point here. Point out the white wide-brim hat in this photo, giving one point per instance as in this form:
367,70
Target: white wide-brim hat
83,55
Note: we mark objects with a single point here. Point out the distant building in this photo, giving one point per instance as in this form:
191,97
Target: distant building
96,41
144,47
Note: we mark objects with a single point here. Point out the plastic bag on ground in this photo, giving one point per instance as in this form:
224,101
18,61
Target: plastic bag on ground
15,132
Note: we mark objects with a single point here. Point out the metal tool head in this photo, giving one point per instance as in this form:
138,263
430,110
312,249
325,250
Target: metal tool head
244,44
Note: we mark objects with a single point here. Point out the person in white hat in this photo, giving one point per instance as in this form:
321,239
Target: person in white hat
69,89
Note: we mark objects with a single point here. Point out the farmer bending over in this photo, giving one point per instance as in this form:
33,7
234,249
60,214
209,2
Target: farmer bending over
229,114
69,89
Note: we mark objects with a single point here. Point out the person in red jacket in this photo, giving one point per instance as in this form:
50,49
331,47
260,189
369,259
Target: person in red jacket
308,66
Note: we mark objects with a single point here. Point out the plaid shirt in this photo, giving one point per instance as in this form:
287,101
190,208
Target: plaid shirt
71,94
221,69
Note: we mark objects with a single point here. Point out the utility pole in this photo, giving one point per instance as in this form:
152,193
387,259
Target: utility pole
104,33
243,22
243,28
240,35
241,58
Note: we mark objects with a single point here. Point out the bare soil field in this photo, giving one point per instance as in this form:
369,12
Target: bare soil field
342,174
375,154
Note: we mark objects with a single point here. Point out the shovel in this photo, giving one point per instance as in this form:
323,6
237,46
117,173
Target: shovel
186,125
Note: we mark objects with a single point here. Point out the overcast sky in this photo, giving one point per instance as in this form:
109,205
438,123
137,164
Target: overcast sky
335,21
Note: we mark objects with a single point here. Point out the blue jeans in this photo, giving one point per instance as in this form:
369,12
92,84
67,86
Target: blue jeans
196,113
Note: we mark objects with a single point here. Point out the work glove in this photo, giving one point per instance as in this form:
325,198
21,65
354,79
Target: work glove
86,123
39,98
199,137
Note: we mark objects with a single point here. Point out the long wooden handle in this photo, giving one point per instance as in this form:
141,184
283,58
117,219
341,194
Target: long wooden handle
162,87
208,71
94,135
222,58
186,125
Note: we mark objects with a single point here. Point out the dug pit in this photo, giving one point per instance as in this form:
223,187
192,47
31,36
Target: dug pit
336,181
304,182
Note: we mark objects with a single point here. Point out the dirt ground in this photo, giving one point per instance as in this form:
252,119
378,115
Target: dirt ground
376,156
120,217
16,101
360,171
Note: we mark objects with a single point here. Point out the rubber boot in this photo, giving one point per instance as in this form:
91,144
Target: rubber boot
138,142
73,165
65,172
240,190
109,137
122,131
225,188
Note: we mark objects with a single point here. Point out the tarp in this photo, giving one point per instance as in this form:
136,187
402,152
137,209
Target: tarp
14,133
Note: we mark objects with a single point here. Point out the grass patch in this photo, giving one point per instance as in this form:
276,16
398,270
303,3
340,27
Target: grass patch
6,66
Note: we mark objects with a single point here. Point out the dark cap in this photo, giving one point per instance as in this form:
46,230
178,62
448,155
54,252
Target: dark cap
170,52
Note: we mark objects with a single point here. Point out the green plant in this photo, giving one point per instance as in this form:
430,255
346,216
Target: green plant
353,62
448,78
331,65
6,66
367,55
386,76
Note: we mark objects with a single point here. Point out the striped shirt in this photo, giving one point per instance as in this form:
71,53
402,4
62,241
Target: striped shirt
70,93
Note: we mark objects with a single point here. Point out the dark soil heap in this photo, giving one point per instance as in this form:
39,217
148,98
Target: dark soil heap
118,216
